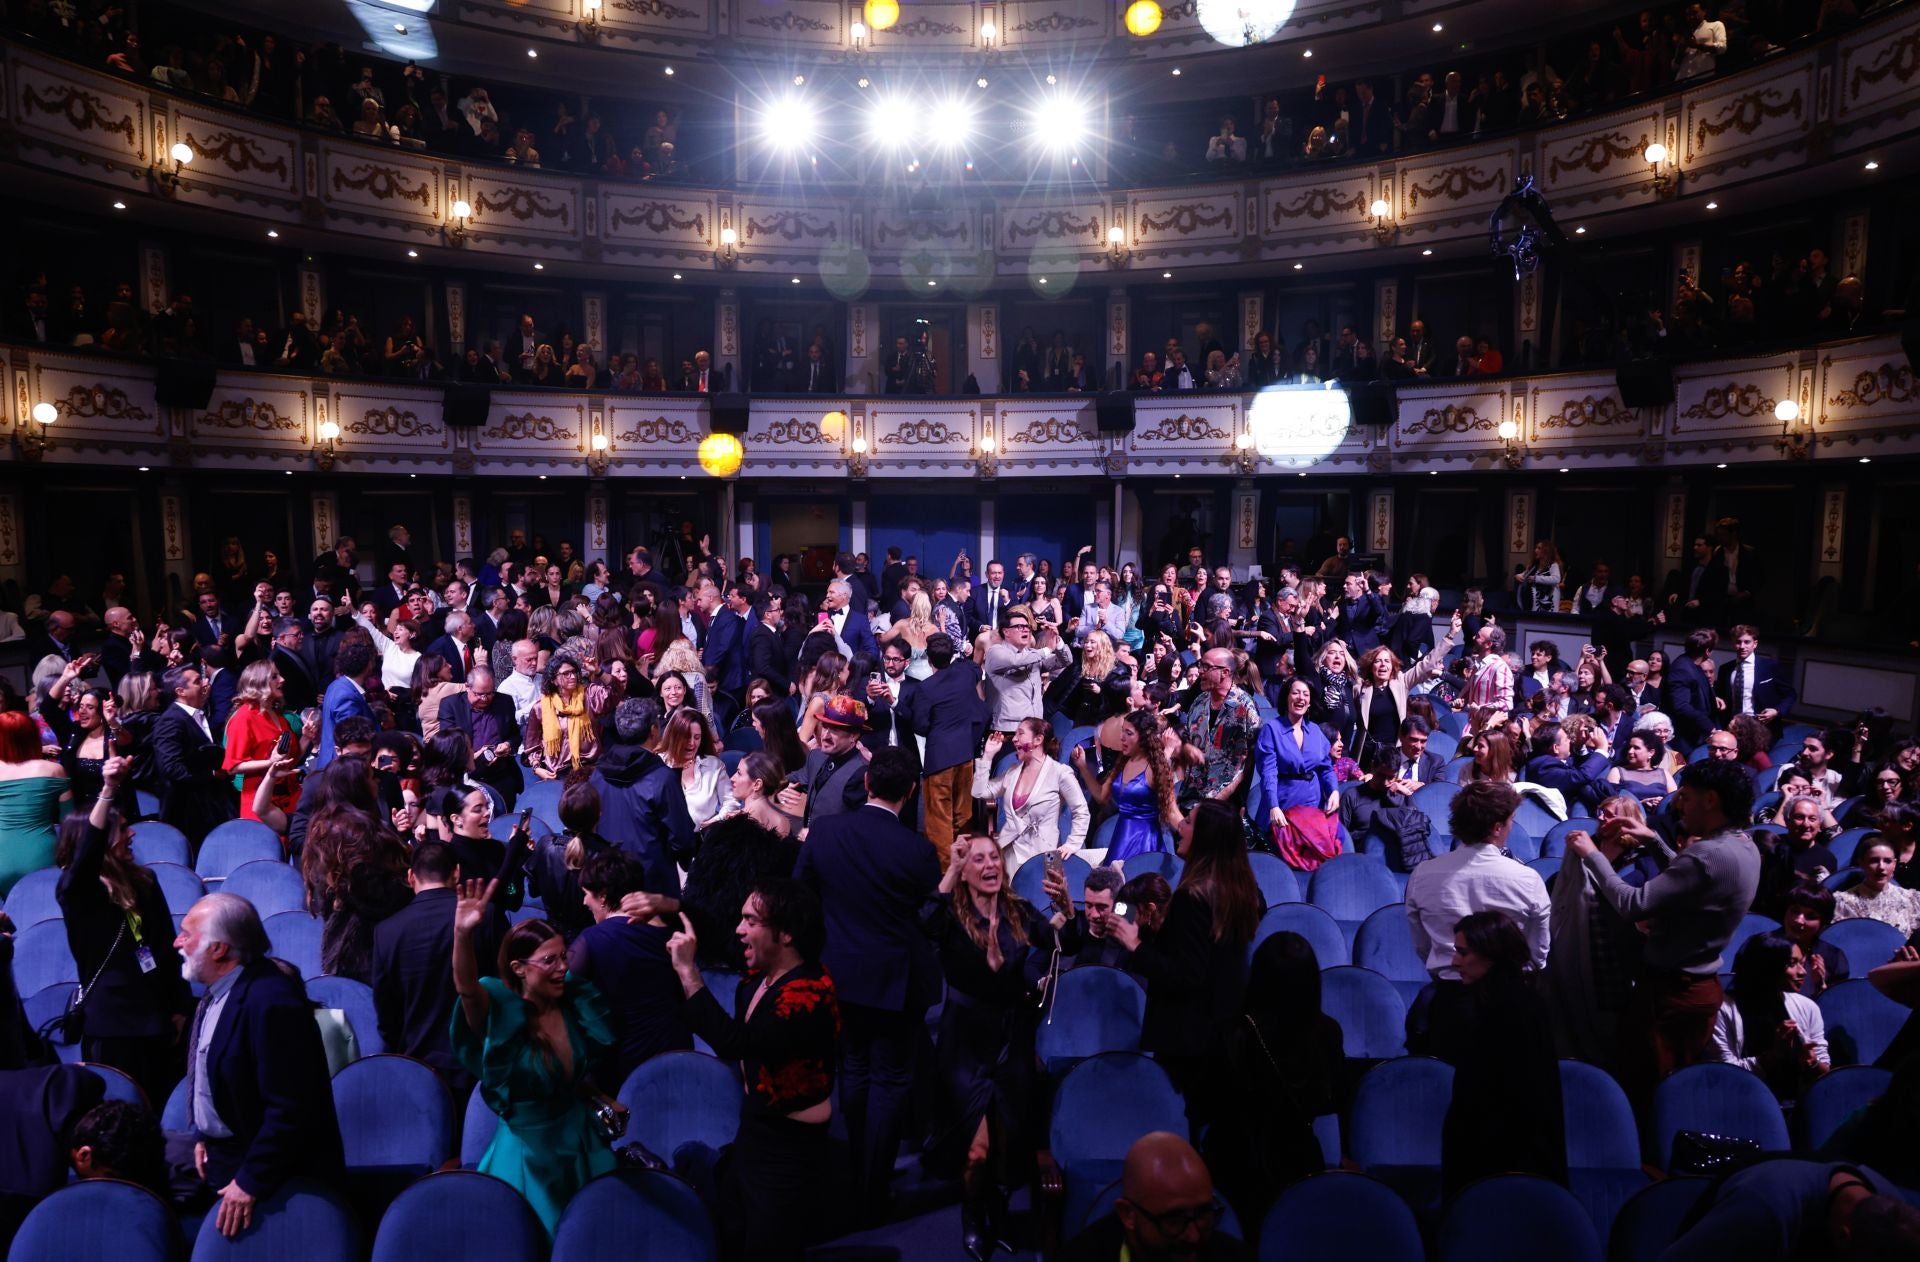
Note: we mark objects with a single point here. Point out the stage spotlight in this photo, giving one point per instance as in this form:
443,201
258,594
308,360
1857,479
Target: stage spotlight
790,125
1060,121
888,120
952,121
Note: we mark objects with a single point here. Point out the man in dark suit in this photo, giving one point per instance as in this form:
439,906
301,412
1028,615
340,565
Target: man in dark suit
1734,576
1412,760
816,374
1687,590
872,873
258,1093
725,654
1752,684
299,689
1370,129
1688,699
1459,365
886,727
117,650
214,624
848,616
990,600
1362,615
392,593
346,696
412,965
458,645
322,640
195,796
946,708
766,653
485,717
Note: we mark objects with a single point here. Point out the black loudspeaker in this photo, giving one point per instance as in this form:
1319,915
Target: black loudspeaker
1645,383
1373,403
729,413
465,405
1113,413
180,383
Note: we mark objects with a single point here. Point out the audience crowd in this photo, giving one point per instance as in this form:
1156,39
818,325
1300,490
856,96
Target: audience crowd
787,827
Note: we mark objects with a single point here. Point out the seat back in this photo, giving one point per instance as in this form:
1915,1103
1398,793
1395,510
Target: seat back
1340,1214
34,898
1860,1021
1650,1219
1092,1010
354,998
43,1006
1750,924
296,939
542,797
41,957
120,1085
99,1220
1372,1016
1719,1099
1397,1111
1515,1218
1316,926
179,885
1352,887
233,843
1384,943
1834,1097
302,1220
1106,1102
456,1214
1165,862
1601,1133
1868,943
178,1115
271,885
652,1209
682,1097
1276,880
156,841
1554,844
394,1114
477,1126
1028,880
1846,842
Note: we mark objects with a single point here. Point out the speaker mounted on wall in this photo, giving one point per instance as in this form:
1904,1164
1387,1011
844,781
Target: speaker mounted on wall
1113,413
465,405
181,383
729,413
1645,383
1374,403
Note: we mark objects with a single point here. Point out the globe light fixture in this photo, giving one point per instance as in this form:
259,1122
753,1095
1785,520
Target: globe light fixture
1143,18
882,14
1243,23
721,454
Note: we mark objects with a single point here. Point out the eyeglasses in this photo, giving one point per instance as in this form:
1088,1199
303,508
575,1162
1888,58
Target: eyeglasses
547,963
1178,1222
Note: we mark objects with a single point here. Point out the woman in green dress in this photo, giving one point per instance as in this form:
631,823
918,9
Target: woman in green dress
530,1036
33,794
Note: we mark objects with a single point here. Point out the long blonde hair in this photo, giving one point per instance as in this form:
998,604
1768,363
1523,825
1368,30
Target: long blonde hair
256,683
679,656
1096,661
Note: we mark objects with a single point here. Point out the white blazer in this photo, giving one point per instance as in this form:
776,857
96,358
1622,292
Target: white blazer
1035,828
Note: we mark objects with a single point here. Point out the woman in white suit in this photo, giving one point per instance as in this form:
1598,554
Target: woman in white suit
1036,788
1380,703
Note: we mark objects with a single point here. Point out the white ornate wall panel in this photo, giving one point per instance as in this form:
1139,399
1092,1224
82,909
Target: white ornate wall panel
1731,401
1318,205
1450,424
1600,159
1193,432
535,428
269,414
1047,437
519,209
105,406
788,230
663,433
908,435
1582,412
368,189
1183,220
1877,77
1746,125
375,421
1453,185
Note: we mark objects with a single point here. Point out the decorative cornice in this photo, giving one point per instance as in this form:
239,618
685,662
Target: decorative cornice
1746,113
1890,383
1733,399
1451,419
247,414
526,427
661,429
1182,428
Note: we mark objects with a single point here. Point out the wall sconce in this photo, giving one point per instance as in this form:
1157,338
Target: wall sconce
988,33
857,462
729,239
1382,210
1515,455
598,459
1117,246
984,455
456,228
1796,434
328,446
1664,182
35,441
589,23
1245,458
168,181
859,34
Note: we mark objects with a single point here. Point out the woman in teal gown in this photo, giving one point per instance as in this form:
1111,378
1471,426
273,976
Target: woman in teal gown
32,793
530,1036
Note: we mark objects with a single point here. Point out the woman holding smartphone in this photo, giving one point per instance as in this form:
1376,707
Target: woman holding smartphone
256,728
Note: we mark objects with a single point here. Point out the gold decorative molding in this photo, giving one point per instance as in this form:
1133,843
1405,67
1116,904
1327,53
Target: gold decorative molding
1733,399
83,111
1451,419
523,204
1596,153
791,225
1053,23
1187,218
658,217
923,431
793,432
1047,430
1455,183
661,429
99,402
789,21
392,421
1319,203
1746,114
1890,383
246,413
1589,412
1183,428
1053,223
526,427
1900,59
238,153
382,184
925,26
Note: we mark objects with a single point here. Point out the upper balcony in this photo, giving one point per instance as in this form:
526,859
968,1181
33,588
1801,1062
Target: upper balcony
1822,111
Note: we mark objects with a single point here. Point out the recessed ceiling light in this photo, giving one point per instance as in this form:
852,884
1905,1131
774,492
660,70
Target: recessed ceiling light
1580,232
1303,473
1175,72
933,283
1043,280
1433,473
1166,276
1721,465
413,475
669,72
533,52
145,469
399,28
1052,79
1426,254
1564,471
1306,52
289,473
543,477
413,254
796,280
119,205
863,82
273,234
799,80
1713,205
539,267
1299,267
1438,27
1866,460
676,276
1873,166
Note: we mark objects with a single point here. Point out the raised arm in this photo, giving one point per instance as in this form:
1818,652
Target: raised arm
468,913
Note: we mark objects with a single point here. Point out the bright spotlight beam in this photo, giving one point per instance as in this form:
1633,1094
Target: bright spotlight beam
1060,122
887,121
952,120
790,125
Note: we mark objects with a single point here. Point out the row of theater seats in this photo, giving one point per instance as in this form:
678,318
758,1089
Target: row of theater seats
1385,1206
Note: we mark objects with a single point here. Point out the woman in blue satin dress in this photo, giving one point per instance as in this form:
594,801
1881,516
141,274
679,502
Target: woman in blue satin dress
1138,785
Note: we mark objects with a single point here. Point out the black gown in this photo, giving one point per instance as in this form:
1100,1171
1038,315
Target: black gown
986,1057
1506,1110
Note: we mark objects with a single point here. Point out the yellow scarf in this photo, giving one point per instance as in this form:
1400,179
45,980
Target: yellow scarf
558,716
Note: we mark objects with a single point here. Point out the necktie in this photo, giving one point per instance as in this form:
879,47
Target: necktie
466,656
193,1061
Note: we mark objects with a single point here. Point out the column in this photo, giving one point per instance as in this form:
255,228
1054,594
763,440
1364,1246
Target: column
861,372
1253,315
457,325
1379,526
176,549
1830,555
1526,322
1520,529
1119,339
1243,534
1386,312
313,296
462,524
593,315
597,531
983,345
726,337
13,552
1853,247
156,286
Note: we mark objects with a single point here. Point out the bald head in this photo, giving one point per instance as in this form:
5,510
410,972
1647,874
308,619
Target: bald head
119,620
1167,1206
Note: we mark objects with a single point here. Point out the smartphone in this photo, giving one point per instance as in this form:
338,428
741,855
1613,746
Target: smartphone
526,818
1127,912
284,746
1055,862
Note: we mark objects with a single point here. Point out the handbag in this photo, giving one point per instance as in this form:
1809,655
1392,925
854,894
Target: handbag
1706,1154
70,1026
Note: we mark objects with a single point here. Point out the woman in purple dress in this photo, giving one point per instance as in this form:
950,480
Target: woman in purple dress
1139,785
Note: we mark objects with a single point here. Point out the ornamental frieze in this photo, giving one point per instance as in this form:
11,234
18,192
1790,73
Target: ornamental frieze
1319,203
1053,223
1047,430
248,414
393,422
658,217
1746,114
652,9
792,432
237,153
1455,184
527,427
382,184
1451,419
1589,412
1182,428
924,431
1053,23
1733,399
1188,218
661,429
99,402
1890,383
789,21
925,26
83,111
1596,153
521,203
791,225
922,230
1900,59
